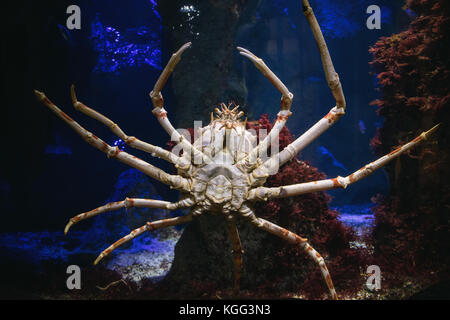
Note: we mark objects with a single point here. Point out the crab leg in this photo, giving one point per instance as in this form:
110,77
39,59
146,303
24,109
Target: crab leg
271,165
295,239
283,115
161,113
174,181
237,253
330,74
131,141
263,193
150,226
286,96
129,203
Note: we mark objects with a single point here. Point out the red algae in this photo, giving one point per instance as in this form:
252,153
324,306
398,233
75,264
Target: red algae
308,215
412,232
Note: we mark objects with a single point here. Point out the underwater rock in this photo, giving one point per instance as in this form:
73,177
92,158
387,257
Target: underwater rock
151,260
109,227
211,26
203,255
272,267
146,257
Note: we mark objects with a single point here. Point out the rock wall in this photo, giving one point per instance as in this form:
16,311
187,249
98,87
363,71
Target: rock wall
204,77
272,267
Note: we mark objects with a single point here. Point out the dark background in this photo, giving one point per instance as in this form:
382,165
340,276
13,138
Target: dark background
41,191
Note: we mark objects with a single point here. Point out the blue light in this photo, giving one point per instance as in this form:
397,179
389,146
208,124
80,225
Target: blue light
386,15
341,19
337,18
120,144
155,11
132,47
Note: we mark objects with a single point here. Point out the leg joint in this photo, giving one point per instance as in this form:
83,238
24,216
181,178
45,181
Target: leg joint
334,83
307,10
157,99
129,203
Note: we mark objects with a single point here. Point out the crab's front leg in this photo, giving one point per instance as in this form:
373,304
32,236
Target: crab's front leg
161,113
283,115
271,165
328,67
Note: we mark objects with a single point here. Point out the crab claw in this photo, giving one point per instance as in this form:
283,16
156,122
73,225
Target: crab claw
68,225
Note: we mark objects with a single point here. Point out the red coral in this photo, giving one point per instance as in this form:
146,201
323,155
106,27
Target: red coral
171,144
309,215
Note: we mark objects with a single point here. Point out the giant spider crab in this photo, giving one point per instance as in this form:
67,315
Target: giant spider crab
218,176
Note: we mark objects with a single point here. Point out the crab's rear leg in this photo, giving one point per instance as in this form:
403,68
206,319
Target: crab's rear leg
174,181
129,203
131,141
161,113
237,253
150,226
295,239
264,193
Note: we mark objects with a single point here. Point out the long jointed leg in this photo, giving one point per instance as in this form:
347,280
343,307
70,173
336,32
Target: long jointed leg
271,165
312,134
296,239
237,253
131,141
263,193
161,113
283,115
174,181
150,226
330,74
128,203
286,96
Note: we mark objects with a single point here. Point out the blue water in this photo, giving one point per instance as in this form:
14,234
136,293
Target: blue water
44,246
360,217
